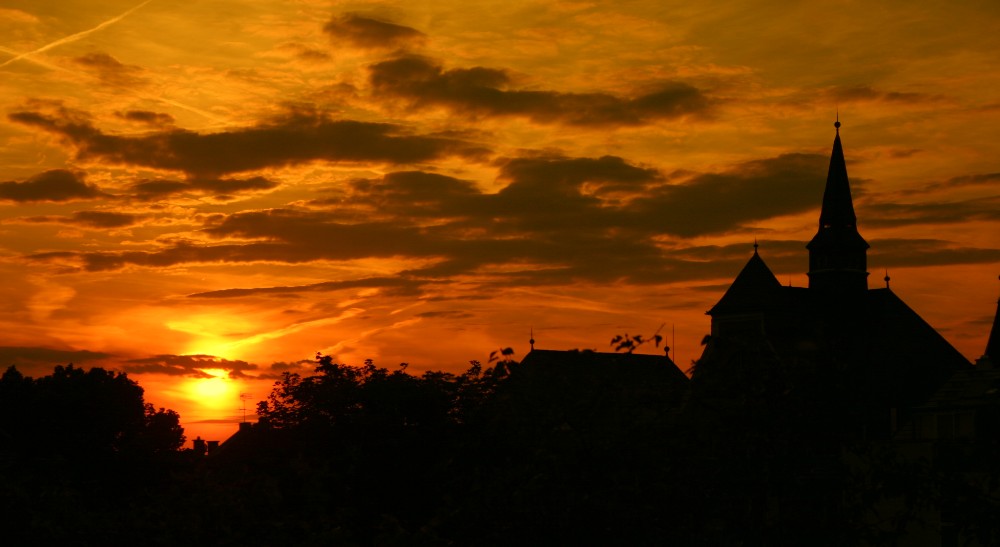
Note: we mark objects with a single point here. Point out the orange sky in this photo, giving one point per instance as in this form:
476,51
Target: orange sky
205,194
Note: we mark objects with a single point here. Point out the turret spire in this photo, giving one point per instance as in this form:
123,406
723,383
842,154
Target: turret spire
838,207
993,344
837,253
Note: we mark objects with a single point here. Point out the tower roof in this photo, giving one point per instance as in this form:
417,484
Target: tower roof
754,287
993,344
838,259
838,208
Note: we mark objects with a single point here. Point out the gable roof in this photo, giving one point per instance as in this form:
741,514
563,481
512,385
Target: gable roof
913,357
582,359
575,369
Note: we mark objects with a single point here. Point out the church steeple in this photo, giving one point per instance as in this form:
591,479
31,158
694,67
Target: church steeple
992,352
838,255
838,207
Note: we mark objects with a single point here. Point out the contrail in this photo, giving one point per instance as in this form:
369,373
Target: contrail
36,61
30,56
73,37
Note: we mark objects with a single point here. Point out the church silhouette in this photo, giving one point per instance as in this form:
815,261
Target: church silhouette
891,356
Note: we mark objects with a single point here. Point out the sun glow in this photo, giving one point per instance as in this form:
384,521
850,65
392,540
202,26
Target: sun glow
217,392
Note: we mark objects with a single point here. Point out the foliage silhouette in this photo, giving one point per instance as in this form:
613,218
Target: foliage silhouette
78,449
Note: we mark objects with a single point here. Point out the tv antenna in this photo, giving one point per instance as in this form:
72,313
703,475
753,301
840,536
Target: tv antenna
243,405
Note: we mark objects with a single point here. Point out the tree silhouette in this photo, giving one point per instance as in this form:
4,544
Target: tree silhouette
82,415
78,450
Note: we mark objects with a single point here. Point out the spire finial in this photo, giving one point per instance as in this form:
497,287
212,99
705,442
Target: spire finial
532,339
837,123
755,245
886,278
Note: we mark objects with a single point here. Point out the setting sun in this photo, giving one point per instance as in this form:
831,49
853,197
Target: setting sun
217,393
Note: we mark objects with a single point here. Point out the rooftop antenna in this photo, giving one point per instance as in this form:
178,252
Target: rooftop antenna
243,405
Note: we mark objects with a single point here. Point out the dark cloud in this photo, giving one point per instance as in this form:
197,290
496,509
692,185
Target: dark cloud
888,253
276,370
447,314
557,220
305,53
863,93
978,179
53,185
478,91
39,361
903,214
90,219
148,190
179,253
394,285
187,365
367,33
104,219
155,119
410,193
111,71
299,137
749,193
654,266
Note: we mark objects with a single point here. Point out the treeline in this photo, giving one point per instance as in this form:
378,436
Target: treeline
751,451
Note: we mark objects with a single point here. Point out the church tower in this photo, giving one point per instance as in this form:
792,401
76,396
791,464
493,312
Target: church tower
838,255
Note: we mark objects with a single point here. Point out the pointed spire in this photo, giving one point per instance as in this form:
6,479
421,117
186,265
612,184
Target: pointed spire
993,344
838,259
838,207
531,341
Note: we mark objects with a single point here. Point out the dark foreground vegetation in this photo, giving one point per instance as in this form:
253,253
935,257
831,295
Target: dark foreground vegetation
750,452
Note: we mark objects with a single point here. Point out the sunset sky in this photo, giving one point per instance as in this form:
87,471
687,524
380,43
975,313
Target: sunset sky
205,193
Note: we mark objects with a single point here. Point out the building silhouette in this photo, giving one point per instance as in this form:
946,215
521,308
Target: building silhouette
891,359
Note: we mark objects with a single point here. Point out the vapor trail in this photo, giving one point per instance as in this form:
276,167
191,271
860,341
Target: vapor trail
36,61
30,56
73,37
